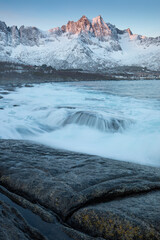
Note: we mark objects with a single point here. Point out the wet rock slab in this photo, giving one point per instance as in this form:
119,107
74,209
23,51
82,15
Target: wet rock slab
127,218
38,223
100,197
14,227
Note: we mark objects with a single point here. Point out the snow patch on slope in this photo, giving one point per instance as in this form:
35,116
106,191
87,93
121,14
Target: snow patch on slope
86,44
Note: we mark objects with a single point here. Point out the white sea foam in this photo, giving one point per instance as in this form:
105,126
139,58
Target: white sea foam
85,120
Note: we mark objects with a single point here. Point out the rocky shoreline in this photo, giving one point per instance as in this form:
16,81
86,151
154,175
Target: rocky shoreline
75,196
16,74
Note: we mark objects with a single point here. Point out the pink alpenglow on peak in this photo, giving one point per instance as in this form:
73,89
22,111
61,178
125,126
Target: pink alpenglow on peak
91,45
129,31
95,27
100,28
82,25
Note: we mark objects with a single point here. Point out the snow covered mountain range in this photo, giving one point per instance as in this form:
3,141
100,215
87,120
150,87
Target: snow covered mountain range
91,45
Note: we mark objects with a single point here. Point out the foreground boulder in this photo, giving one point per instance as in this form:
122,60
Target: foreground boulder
101,197
127,218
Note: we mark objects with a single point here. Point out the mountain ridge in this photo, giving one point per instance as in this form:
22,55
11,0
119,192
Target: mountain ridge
86,44
96,27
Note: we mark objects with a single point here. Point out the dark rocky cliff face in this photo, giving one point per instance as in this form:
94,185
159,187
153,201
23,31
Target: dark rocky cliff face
24,35
15,35
3,32
29,35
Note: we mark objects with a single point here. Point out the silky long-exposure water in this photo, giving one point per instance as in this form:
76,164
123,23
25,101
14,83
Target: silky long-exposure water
118,120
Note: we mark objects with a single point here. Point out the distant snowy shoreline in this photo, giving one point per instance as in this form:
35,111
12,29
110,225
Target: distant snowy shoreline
19,74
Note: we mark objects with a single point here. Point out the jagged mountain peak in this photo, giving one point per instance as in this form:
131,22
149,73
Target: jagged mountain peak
98,19
95,27
3,26
129,31
87,44
82,25
83,18
101,28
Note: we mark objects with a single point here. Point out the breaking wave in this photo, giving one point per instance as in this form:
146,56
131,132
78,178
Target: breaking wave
87,119
102,122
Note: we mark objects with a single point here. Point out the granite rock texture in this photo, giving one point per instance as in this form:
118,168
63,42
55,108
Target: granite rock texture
101,197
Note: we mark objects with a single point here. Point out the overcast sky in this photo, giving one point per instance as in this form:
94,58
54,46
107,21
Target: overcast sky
142,16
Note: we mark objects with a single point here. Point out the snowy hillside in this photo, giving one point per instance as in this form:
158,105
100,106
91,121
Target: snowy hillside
87,44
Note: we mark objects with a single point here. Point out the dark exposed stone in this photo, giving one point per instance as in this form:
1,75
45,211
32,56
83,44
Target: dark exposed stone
127,218
28,85
4,93
15,105
45,215
101,197
15,36
3,27
29,35
14,227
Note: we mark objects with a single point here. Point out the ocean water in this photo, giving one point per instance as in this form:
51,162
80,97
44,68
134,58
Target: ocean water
114,119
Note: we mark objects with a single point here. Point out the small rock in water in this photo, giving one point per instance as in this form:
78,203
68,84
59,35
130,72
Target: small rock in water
15,105
28,85
67,107
4,93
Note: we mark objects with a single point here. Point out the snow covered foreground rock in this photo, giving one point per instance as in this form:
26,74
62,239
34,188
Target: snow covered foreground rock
90,45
